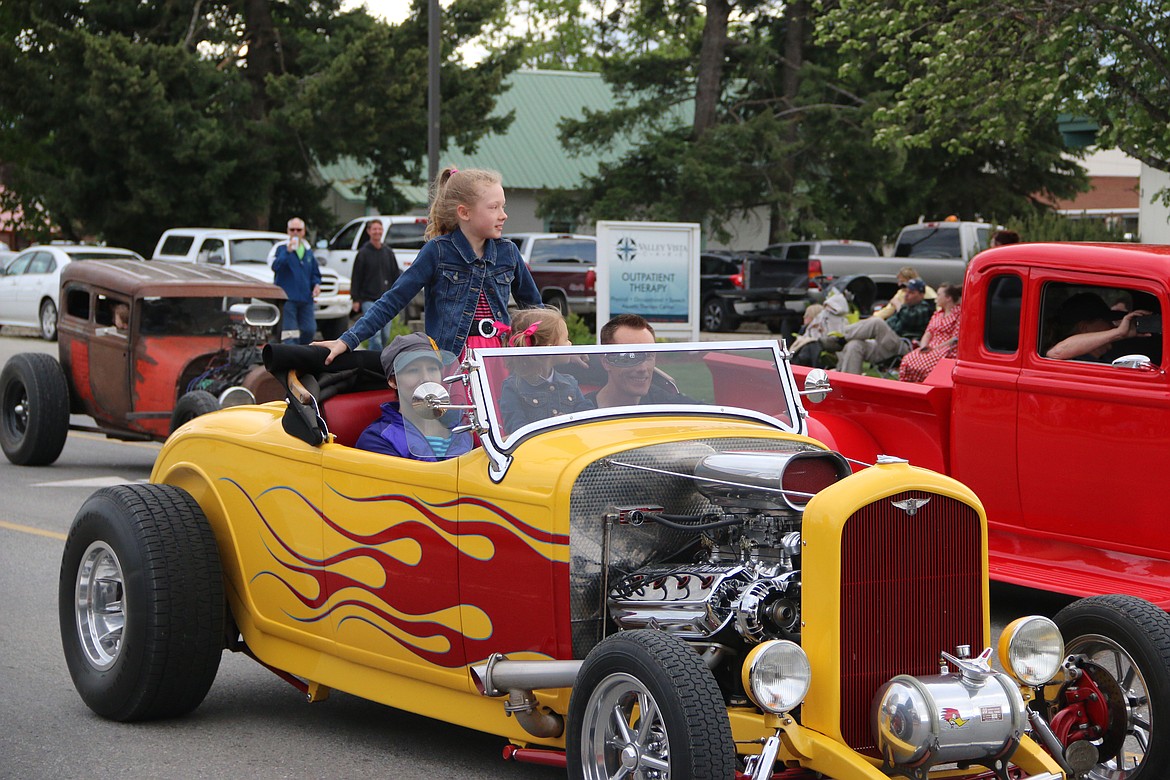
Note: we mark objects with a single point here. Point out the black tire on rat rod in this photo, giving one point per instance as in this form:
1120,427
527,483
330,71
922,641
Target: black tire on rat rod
34,409
141,603
191,405
644,702
1125,642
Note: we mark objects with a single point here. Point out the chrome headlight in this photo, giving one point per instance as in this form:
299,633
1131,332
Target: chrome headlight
776,675
1031,650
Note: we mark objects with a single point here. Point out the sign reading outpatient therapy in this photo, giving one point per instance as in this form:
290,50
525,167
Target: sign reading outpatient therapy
651,269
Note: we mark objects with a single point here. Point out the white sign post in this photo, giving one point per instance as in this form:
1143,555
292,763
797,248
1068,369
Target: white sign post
650,269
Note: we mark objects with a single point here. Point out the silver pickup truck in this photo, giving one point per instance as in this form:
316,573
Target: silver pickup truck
938,251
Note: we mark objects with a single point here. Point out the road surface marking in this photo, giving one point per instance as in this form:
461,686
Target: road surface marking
28,529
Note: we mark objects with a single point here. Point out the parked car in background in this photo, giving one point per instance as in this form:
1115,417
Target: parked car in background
564,267
143,348
403,234
250,252
940,251
740,287
31,282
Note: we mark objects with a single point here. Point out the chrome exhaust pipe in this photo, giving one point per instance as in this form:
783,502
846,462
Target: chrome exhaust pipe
499,675
517,679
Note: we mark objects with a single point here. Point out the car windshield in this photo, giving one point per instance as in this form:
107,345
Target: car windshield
185,316
528,389
252,250
929,242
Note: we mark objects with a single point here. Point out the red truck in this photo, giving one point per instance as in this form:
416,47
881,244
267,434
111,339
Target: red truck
1064,454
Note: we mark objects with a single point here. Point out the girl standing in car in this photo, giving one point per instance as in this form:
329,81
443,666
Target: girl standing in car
468,270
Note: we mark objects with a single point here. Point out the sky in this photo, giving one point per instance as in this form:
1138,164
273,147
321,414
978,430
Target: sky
390,10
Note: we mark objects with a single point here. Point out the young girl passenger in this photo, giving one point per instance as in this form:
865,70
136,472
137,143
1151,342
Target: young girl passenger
467,269
536,390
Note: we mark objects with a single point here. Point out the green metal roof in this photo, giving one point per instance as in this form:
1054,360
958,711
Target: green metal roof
528,154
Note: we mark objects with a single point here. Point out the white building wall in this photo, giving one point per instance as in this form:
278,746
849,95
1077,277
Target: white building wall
1154,218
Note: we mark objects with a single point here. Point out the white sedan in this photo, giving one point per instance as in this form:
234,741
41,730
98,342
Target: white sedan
31,281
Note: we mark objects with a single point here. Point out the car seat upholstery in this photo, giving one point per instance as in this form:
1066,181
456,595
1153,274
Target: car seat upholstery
348,414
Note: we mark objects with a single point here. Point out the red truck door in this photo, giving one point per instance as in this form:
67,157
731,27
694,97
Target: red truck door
1094,439
985,406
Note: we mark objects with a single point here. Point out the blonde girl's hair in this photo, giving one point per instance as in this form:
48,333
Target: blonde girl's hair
450,190
545,325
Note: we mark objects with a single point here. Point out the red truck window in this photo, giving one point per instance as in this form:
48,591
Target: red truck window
1068,309
1002,323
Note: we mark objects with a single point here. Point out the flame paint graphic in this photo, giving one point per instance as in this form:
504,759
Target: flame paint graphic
448,590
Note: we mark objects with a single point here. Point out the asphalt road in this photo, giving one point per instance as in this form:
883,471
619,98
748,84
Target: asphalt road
252,724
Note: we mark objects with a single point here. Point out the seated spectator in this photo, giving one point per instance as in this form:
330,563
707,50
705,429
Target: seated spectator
940,339
408,362
905,274
875,340
536,390
1090,327
819,321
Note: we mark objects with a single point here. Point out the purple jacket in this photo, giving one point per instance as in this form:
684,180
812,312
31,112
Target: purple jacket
392,434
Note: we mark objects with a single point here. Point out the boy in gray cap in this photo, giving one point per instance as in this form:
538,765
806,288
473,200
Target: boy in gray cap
408,362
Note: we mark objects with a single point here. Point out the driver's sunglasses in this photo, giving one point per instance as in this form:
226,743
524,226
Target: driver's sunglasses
296,230
626,359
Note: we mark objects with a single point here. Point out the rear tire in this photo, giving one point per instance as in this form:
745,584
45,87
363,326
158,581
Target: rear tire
717,315
49,321
557,301
141,603
34,409
192,405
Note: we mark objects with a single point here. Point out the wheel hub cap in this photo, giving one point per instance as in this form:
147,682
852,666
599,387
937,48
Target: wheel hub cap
99,605
629,757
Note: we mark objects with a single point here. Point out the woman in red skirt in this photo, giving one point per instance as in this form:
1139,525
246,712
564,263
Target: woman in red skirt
940,338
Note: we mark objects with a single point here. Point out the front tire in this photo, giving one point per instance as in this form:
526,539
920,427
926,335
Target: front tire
192,405
1130,640
49,321
141,603
34,409
645,705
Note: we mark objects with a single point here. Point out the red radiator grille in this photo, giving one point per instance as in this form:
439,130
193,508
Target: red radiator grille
911,586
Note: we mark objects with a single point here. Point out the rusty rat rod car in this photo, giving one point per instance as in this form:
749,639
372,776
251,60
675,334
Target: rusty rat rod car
685,588
143,347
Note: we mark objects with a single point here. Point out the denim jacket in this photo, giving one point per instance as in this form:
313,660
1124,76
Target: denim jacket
453,277
522,401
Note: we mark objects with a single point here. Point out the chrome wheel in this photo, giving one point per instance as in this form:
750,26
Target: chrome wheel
623,734
1139,721
48,321
100,605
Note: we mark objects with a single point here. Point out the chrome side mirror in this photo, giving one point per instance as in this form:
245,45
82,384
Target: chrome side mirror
816,385
432,399
1133,361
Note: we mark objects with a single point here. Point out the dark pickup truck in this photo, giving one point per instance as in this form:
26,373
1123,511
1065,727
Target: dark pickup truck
749,286
564,267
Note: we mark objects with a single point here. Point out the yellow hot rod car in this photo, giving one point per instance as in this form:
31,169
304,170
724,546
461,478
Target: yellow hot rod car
687,587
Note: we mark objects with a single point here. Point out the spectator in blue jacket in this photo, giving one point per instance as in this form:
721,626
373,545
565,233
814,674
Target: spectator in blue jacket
296,272
401,431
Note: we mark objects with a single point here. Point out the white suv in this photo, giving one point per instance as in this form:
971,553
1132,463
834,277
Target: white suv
403,234
250,252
